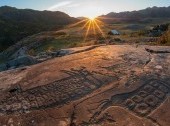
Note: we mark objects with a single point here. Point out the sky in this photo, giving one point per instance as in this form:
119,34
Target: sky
86,8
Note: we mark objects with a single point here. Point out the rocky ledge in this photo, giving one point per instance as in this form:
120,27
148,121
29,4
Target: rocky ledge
112,85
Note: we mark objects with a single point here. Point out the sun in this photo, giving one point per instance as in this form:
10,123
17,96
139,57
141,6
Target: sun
91,17
91,27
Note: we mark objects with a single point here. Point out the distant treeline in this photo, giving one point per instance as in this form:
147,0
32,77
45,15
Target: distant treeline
16,24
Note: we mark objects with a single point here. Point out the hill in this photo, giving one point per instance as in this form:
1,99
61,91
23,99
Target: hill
16,24
145,15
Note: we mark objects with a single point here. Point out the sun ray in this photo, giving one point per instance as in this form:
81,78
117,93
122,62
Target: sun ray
94,29
91,27
103,35
84,26
104,24
87,32
99,21
77,23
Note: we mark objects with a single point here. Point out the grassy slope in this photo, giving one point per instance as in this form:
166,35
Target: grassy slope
75,37
16,24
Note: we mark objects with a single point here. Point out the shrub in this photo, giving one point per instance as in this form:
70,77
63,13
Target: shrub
101,38
31,52
142,32
117,39
51,49
165,38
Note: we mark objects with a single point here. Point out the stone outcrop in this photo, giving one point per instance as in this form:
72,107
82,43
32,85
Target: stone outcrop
18,62
20,57
111,85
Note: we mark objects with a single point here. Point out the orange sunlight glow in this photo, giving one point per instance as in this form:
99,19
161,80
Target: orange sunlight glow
88,28
91,17
96,22
78,23
92,28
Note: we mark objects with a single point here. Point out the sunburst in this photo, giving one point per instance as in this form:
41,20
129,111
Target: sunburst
91,25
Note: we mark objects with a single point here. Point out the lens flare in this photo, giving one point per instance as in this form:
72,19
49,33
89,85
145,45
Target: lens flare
92,27
91,18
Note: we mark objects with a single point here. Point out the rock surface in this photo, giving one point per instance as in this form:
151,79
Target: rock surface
18,62
105,86
21,59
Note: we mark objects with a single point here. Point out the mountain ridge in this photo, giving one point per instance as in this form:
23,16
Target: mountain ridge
16,24
143,12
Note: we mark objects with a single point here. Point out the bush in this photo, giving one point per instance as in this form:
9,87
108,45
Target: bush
165,38
50,49
117,39
142,32
31,52
101,38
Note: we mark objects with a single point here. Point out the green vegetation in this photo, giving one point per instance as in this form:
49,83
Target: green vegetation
62,42
75,37
31,22
16,24
165,39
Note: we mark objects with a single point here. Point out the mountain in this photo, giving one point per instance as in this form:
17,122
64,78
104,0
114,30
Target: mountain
82,18
16,24
141,15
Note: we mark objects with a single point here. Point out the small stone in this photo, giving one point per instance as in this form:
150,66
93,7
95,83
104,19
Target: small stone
10,121
159,67
16,106
7,107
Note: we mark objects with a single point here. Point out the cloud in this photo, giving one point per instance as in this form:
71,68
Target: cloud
61,4
73,5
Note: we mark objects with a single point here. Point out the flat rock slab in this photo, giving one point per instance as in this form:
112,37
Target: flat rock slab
111,85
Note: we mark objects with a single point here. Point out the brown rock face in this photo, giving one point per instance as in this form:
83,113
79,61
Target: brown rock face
104,86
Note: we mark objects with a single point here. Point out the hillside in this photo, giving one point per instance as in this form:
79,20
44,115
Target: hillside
16,24
145,15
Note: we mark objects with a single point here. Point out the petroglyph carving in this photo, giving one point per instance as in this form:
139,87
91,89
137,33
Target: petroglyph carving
142,101
78,84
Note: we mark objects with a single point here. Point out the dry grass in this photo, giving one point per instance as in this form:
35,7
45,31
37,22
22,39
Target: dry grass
165,39
76,37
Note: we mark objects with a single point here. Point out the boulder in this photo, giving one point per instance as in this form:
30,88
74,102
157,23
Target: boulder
21,52
23,60
3,67
63,52
18,62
